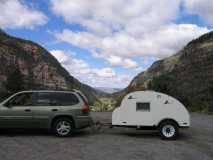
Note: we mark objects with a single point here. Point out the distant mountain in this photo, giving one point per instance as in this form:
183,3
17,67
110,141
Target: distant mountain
40,70
187,75
109,90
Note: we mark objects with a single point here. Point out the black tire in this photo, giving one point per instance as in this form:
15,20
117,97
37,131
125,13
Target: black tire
168,130
63,127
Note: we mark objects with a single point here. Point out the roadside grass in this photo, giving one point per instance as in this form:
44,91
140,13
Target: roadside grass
104,105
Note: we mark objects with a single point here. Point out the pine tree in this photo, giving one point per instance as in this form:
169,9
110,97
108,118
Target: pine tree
30,82
15,81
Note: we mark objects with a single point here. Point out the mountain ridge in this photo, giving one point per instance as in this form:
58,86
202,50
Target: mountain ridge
186,75
37,64
108,90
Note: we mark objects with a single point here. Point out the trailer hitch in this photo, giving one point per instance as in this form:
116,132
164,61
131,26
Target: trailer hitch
98,125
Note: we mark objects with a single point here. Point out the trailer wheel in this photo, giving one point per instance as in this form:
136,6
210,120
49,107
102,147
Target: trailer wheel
168,130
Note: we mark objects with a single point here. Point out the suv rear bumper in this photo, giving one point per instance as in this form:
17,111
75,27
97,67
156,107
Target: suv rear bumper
83,122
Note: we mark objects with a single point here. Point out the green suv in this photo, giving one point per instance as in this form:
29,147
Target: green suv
59,111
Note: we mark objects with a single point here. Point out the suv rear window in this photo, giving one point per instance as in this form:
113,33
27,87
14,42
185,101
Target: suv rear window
56,99
83,97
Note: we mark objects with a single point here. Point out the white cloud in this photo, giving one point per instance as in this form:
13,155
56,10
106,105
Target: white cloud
169,39
124,62
16,14
103,77
120,30
105,72
107,46
107,16
120,47
203,8
128,63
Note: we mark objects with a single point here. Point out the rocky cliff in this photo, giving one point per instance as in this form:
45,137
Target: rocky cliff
187,75
38,67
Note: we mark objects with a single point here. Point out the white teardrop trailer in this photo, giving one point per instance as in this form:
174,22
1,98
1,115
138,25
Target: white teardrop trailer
152,110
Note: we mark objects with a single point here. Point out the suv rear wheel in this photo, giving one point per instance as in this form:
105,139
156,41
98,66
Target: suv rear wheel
63,127
168,130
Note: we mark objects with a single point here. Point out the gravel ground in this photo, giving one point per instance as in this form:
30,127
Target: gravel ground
110,144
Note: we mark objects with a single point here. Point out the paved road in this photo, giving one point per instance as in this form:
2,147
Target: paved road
195,143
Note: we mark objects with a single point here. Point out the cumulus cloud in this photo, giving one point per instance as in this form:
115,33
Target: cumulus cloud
89,75
203,8
124,62
120,30
16,14
159,43
105,17
105,72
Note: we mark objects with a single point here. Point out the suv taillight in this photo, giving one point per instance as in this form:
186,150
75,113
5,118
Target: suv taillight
85,108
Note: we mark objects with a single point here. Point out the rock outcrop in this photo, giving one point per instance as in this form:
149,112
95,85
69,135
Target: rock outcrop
38,65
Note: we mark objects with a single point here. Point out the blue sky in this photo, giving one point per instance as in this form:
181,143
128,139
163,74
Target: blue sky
106,43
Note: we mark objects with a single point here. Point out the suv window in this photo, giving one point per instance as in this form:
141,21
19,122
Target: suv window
83,97
22,99
43,99
55,99
66,99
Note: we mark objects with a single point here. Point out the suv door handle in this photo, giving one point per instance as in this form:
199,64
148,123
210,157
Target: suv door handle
54,110
27,110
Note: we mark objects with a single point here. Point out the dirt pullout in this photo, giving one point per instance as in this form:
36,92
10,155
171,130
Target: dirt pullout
111,144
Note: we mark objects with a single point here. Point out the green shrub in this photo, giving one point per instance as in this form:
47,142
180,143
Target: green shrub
163,83
15,81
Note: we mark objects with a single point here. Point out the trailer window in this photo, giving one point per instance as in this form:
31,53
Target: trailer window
143,106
